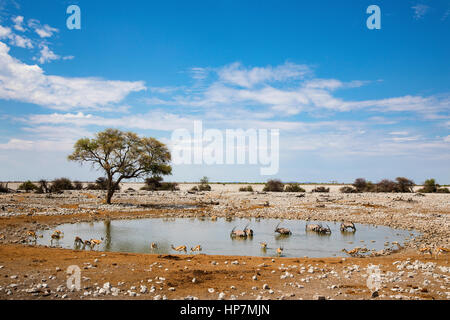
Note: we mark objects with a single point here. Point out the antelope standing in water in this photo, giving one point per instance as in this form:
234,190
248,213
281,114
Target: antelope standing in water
78,241
279,251
153,245
263,245
32,234
95,242
347,225
179,248
247,232
283,231
196,248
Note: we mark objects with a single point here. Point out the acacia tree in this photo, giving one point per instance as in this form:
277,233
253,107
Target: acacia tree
123,155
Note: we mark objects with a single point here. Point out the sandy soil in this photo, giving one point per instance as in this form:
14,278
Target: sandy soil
36,272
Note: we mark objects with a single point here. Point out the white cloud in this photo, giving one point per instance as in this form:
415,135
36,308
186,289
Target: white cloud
29,83
420,10
17,144
18,23
14,39
47,55
236,74
44,31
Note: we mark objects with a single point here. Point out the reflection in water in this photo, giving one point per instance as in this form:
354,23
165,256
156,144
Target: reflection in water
214,237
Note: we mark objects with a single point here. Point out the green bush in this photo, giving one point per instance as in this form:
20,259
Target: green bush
430,186
28,186
100,184
78,185
247,188
274,186
321,189
155,183
293,187
4,188
404,184
61,184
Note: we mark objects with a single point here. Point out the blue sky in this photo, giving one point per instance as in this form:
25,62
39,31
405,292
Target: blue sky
349,102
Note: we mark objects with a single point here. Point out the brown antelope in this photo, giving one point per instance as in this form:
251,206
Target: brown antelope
440,250
95,242
426,250
279,251
213,218
153,245
32,234
263,245
347,225
283,231
87,243
58,232
352,252
318,228
196,248
179,248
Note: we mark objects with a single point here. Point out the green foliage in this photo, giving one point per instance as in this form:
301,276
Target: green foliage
61,184
430,186
274,185
4,188
78,185
123,155
156,183
246,189
101,183
28,186
293,187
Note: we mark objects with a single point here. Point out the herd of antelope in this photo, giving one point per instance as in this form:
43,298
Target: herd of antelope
243,234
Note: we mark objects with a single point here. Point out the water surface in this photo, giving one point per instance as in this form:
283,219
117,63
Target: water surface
214,236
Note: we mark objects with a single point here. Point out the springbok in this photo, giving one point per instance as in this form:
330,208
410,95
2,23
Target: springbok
179,248
426,250
58,232
283,231
440,250
279,251
196,248
153,245
32,234
352,252
95,242
347,225
263,245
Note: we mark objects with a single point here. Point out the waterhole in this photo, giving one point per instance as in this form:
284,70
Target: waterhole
214,237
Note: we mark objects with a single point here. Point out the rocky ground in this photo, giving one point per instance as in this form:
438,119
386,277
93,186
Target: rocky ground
37,272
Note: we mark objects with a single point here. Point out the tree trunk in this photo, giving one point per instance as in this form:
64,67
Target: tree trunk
109,194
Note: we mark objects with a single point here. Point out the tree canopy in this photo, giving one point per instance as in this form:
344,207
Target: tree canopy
123,155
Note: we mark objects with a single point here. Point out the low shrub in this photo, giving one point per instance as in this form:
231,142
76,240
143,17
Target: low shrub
4,188
293,187
274,186
61,184
348,189
28,186
430,186
100,184
321,189
155,183
204,187
247,188
78,185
